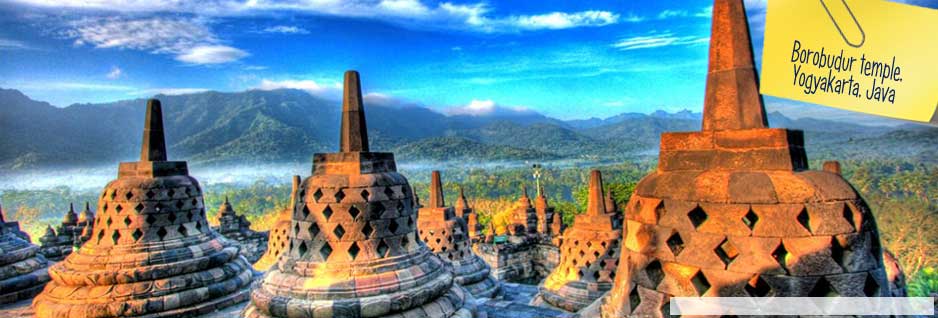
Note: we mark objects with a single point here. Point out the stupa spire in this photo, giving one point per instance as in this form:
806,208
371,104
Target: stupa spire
354,134
596,204
732,100
436,190
295,191
461,202
154,143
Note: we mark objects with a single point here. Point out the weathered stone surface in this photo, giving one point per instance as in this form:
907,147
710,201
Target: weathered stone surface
742,215
151,252
23,270
346,257
238,229
74,230
446,235
589,255
277,240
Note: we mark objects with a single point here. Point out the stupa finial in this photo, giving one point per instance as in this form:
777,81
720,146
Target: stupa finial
732,100
154,143
354,135
436,190
596,204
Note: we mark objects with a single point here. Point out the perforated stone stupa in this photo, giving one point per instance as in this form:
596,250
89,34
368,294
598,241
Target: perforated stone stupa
353,245
446,235
466,212
74,230
23,271
277,238
733,210
237,228
152,252
523,219
589,255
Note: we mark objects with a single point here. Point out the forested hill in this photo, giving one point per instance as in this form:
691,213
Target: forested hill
291,125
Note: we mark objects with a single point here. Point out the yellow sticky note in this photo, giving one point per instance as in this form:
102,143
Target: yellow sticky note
870,56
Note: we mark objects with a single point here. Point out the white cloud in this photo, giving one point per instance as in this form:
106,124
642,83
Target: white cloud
409,8
561,20
7,44
706,12
485,108
70,86
672,14
328,89
169,91
190,40
476,17
115,73
286,29
211,54
658,40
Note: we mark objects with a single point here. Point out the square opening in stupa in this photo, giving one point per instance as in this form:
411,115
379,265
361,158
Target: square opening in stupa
151,251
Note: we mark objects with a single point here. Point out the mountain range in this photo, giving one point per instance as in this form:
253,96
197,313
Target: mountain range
291,125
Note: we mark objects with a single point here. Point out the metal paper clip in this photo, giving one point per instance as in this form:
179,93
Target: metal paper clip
862,34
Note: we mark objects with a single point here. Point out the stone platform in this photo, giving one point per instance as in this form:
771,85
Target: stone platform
513,305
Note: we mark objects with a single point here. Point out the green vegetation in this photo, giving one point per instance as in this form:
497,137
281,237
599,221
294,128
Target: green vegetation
926,283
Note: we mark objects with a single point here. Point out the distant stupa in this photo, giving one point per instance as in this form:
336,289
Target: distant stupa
151,252
353,248
447,235
733,209
589,255
277,238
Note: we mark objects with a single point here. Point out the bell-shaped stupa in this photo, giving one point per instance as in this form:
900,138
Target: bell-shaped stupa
523,218
151,252
589,255
23,271
277,238
447,235
733,210
353,249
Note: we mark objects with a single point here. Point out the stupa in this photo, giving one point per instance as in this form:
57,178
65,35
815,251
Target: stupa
447,235
523,218
57,243
237,228
23,271
544,213
462,205
733,210
353,248
152,252
277,238
589,255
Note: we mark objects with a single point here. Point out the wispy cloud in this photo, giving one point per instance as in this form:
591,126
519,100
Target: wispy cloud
474,17
324,88
658,40
285,29
211,54
705,12
71,86
190,40
169,91
561,20
7,44
485,107
115,73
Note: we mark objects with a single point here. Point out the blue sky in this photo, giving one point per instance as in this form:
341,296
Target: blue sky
567,59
